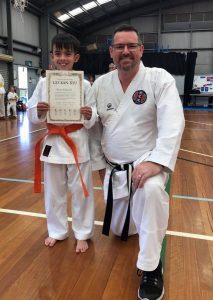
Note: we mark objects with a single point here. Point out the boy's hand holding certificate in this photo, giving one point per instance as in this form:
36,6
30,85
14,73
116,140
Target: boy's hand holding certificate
65,96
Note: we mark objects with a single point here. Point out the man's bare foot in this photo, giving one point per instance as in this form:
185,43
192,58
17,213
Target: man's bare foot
50,242
81,246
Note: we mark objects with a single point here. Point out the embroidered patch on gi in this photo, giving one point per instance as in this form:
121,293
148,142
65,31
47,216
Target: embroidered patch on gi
139,97
109,106
46,151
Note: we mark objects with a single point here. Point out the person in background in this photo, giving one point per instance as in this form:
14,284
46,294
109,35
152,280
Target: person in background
12,98
112,67
141,125
62,171
2,93
91,79
43,73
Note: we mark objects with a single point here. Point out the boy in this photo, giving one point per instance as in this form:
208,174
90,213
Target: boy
60,167
12,98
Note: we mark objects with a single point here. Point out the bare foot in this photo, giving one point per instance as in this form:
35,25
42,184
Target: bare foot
81,247
50,242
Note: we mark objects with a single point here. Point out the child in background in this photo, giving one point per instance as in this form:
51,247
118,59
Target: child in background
12,98
60,169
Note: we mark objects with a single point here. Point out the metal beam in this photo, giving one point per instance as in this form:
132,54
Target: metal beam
57,5
64,26
44,40
9,41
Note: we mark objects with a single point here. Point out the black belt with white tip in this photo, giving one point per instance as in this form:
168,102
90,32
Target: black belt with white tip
109,205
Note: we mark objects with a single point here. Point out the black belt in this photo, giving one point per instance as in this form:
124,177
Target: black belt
109,205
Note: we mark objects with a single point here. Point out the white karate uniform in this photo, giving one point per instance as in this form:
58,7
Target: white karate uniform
143,124
12,99
2,92
61,173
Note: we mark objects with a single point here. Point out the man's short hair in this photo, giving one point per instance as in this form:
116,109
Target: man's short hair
127,28
66,41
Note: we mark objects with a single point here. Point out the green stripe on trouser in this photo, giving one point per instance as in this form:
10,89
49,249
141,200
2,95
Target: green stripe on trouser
163,250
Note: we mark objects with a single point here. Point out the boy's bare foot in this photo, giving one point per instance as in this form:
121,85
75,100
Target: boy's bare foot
50,242
81,246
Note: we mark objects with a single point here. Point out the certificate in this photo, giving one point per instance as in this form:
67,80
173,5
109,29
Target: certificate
65,96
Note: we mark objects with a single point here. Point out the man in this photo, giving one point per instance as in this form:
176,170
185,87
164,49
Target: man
142,119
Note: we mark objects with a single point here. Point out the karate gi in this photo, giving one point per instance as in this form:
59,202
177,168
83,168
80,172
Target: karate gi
143,124
12,99
61,174
2,92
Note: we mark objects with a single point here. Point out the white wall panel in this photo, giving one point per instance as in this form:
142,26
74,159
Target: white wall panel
203,6
3,18
196,7
204,62
176,40
146,24
20,58
202,39
203,69
110,29
25,28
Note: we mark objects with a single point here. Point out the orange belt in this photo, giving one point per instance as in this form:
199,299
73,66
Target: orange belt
62,131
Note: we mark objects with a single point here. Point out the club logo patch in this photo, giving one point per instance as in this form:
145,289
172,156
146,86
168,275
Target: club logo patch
110,107
139,97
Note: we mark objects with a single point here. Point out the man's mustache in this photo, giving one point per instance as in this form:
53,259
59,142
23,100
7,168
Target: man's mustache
125,56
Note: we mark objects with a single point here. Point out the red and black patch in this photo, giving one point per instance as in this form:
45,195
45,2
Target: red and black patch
139,97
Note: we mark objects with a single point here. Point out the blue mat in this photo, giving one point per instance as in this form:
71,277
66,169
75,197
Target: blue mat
198,108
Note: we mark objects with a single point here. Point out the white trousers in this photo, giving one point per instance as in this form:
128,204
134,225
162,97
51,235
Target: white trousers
2,107
58,180
12,105
149,218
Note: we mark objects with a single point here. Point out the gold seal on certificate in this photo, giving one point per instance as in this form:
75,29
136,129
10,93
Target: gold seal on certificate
65,96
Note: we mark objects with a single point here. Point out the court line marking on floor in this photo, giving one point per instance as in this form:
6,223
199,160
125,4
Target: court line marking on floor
16,136
100,223
198,129
16,180
192,198
207,124
32,214
198,153
190,235
200,114
99,188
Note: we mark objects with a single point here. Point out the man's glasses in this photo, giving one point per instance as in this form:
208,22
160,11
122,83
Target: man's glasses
130,47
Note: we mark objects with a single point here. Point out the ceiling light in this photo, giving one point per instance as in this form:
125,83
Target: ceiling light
76,11
89,5
103,1
63,17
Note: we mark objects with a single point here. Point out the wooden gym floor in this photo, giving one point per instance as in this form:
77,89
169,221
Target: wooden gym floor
31,271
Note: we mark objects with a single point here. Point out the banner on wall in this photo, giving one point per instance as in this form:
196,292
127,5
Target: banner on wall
203,83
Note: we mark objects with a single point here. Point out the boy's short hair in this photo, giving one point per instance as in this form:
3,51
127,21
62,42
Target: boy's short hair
127,28
66,41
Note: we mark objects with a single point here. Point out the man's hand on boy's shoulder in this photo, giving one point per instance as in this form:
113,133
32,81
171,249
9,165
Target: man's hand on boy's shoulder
86,111
42,107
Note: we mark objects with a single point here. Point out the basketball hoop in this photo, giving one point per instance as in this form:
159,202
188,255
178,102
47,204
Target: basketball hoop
20,5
